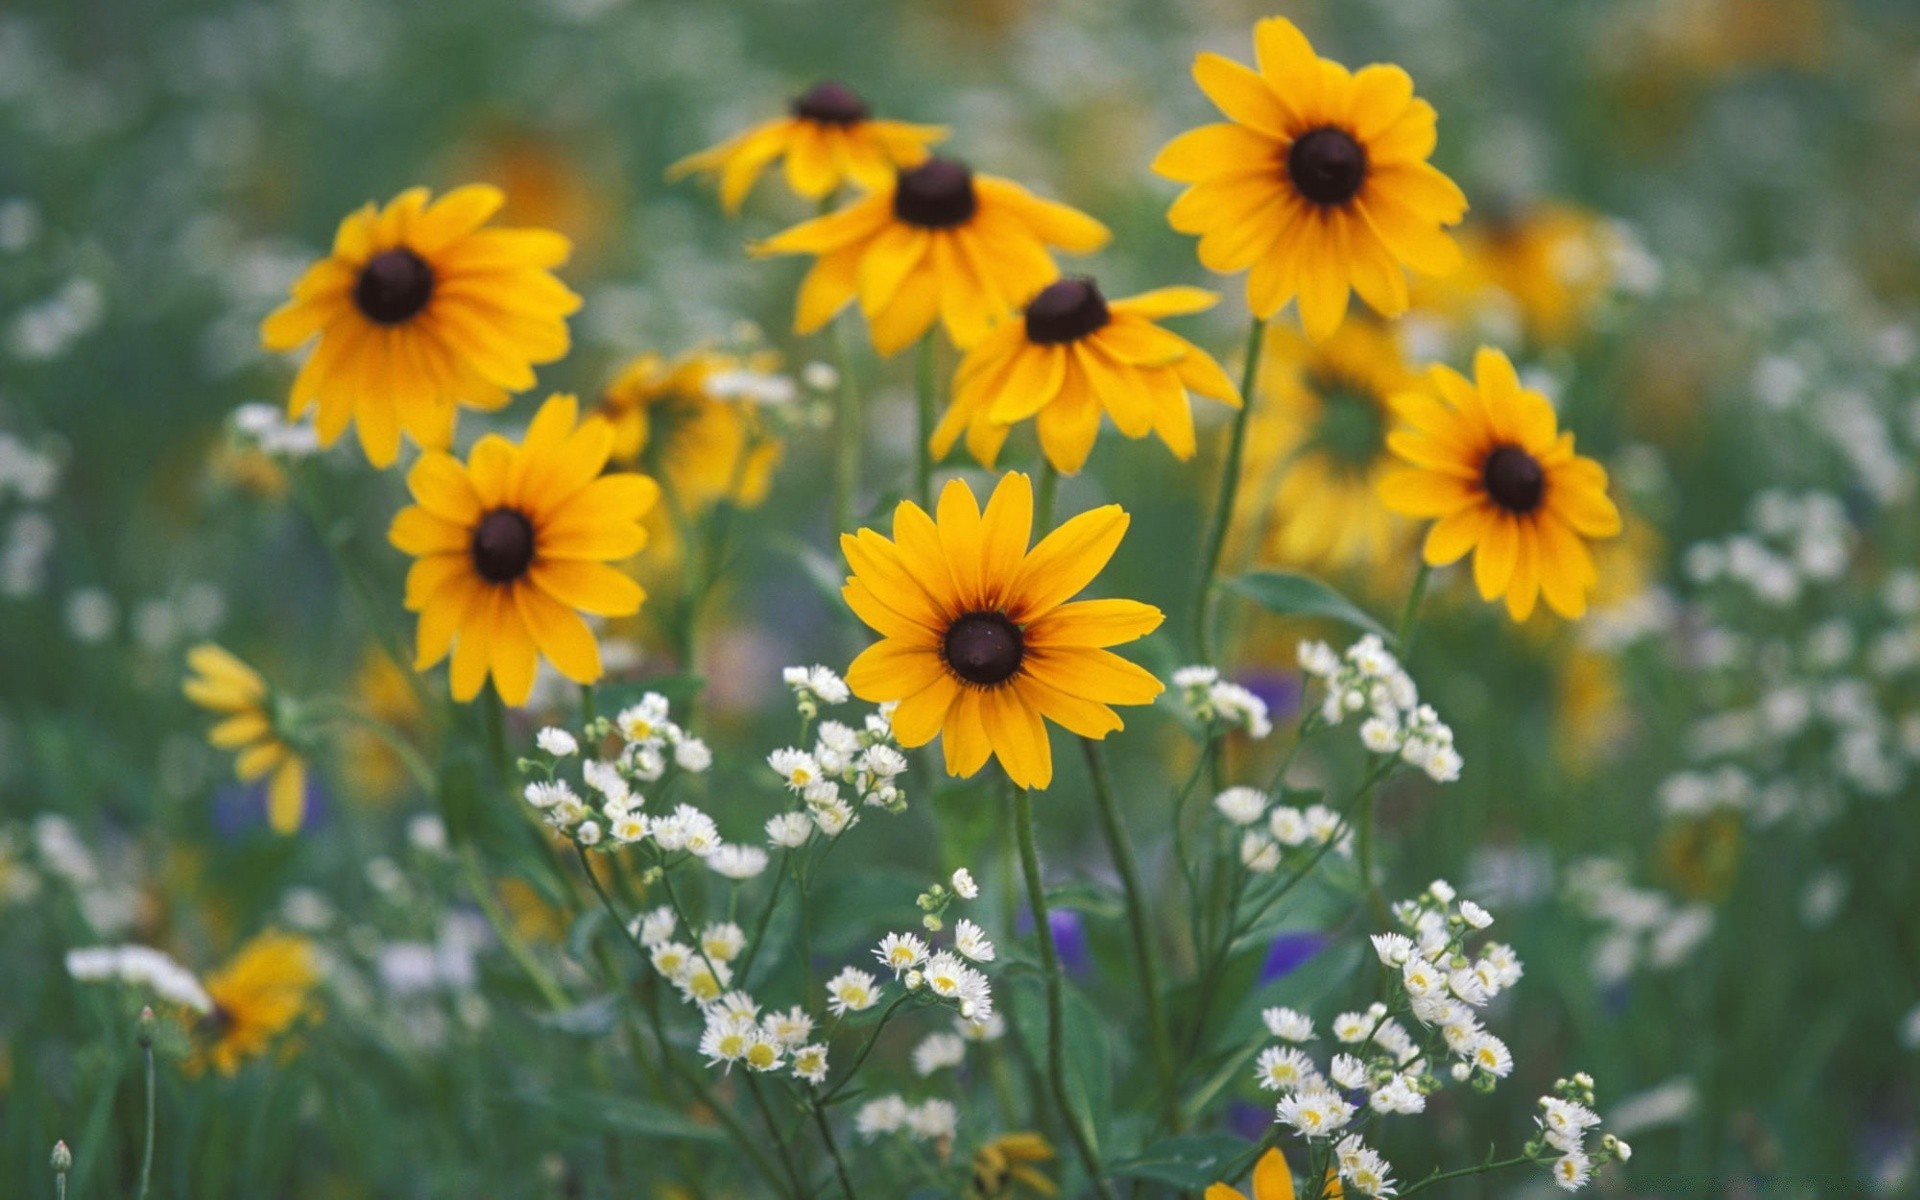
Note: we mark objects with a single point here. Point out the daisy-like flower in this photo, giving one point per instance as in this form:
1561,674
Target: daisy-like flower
1317,447
419,309
1487,460
1318,182
1288,1024
936,242
1316,1112
979,644
259,995
1073,354
827,141
970,940
1285,1069
221,683
511,543
852,990
810,1063
900,952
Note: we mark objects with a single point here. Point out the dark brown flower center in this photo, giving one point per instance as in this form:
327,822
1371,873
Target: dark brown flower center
394,286
831,103
937,194
1066,311
503,545
1327,165
984,648
1514,479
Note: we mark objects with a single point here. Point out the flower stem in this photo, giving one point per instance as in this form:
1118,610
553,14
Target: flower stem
773,1130
860,1058
846,435
1410,615
503,929
1043,502
1463,1172
146,1151
1123,861
1223,505
1056,999
923,402
833,1148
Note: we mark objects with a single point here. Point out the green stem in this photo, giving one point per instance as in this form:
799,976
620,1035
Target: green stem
1056,997
1223,505
1123,861
1043,501
846,435
923,406
587,709
495,713
503,929
1410,615
773,1131
766,917
1463,1172
833,1148
146,1151
860,1058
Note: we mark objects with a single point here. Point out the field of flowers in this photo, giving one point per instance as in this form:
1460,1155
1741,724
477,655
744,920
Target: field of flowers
959,598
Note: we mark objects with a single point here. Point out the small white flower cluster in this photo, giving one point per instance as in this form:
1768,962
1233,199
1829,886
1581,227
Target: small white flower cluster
846,767
701,972
945,974
1566,1119
1444,984
141,966
1210,700
266,426
736,1033
1270,834
1642,927
1795,540
814,686
1369,679
928,1121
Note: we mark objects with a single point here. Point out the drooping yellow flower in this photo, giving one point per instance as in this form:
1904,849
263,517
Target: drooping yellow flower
1318,181
1317,448
515,540
1487,461
1002,1168
828,140
257,997
937,242
1071,356
705,445
221,683
979,643
1545,267
1271,1181
418,310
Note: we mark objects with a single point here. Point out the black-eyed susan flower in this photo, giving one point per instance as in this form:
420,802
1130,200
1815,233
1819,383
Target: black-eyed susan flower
827,140
979,643
938,242
514,544
1487,462
704,442
1073,355
1318,184
1317,447
257,997
221,683
419,310
1005,1168
1544,268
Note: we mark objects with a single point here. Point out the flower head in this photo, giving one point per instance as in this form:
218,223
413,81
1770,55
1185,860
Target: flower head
707,445
1487,460
852,990
509,544
938,242
261,993
1319,181
826,141
979,642
419,309
221,683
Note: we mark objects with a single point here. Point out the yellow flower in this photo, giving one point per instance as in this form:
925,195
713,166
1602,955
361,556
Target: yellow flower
1073,354
937,242
1487,459
828,141
978,641
419,309
221,683
257,996
1271,1181
1317,447
1547,266
1319,181
512,542
704,446
1001,1168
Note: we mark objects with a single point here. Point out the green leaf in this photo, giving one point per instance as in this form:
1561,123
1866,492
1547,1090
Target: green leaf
1189,1162
1288,595
621,1114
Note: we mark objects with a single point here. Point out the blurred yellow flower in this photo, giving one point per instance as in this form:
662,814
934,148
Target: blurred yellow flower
368,765
221,683
1272,1180
1317,448
512,542
704,446
1545,266
1002,1168
417,310
978,642
938,242
1488,461
1318,182
1071,356
827,140
257,996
